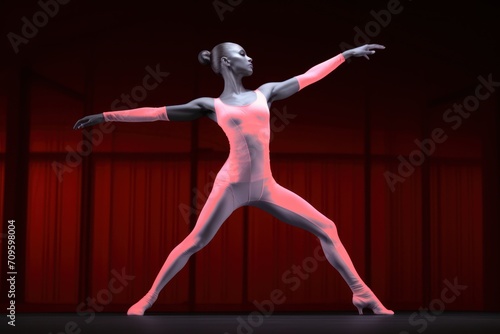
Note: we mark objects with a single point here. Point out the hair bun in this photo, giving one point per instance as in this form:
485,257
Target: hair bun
204,57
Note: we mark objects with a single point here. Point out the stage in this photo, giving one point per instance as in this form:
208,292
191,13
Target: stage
400,323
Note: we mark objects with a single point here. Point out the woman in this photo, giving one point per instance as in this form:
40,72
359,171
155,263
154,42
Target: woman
245,178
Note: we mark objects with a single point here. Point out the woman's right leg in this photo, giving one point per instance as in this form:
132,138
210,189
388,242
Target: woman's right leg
219,205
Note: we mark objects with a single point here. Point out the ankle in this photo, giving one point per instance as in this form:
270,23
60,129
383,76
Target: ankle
360,289
151,296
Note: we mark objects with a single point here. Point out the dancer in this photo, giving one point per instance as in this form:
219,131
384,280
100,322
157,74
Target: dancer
246,178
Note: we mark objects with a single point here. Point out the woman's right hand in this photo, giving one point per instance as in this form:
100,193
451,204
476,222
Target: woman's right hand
89,121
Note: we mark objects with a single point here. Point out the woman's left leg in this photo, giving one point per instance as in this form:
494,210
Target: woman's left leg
293,209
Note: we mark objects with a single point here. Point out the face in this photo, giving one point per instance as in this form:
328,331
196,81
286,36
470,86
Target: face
237,60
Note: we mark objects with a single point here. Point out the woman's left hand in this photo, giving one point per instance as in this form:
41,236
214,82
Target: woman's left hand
363,51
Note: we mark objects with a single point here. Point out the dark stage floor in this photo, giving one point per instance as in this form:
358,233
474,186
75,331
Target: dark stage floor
401,323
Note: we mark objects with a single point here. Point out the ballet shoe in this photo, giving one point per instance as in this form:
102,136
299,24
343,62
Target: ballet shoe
142,305
368,300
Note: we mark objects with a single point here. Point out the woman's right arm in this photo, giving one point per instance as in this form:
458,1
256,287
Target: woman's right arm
182,112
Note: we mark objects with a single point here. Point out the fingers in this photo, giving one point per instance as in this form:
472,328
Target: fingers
368,50
79,124
372,46
375,46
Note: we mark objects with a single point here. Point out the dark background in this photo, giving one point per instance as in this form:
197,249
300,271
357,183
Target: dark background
120,199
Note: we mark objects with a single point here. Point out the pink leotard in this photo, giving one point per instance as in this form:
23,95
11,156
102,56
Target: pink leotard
246,179
144,114
248,131
319,71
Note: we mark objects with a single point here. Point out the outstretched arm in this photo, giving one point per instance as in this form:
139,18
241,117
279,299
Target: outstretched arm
280,90
182,112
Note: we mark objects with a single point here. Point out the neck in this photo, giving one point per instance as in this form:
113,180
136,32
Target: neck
232,85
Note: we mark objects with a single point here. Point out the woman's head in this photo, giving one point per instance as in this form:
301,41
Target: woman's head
227,56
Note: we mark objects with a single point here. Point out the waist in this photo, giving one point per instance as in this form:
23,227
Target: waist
235,170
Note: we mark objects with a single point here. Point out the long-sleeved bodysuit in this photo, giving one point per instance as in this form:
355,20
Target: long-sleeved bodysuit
246,179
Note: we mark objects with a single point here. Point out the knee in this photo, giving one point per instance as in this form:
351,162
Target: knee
329,233
194,244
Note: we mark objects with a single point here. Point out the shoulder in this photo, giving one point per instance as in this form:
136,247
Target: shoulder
206,103
267,89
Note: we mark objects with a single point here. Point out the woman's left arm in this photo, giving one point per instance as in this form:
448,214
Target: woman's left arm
280,90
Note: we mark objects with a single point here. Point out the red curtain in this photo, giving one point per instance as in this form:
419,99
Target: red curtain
138,217
54,199
140,180
140,214
396,237
457,233
53,236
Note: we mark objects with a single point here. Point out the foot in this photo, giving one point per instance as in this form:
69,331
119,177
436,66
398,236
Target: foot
367,299
142,305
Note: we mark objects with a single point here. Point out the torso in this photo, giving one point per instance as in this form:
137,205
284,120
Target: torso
248,130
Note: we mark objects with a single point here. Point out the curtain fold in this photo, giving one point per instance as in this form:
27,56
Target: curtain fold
138,219
53,235
396,237
457,233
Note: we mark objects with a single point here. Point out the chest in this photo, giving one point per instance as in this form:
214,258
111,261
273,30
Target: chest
254,115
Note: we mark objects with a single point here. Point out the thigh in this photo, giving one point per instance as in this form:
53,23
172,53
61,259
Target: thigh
217,208
290,208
